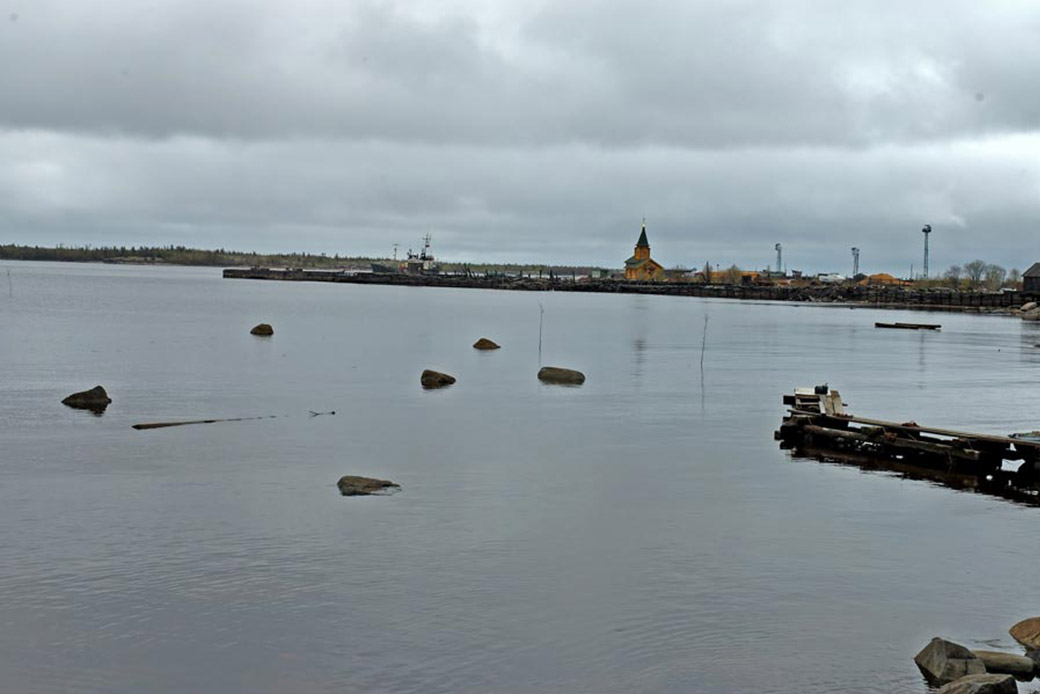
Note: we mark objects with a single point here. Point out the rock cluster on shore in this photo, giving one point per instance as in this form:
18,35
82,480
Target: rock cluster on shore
959,670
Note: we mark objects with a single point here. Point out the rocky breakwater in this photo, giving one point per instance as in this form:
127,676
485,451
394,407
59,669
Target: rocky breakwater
959,670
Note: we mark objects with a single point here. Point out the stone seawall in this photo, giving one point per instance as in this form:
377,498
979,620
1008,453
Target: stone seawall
876,296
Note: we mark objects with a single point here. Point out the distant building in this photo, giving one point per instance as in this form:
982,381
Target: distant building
640,266
884,278
1031,280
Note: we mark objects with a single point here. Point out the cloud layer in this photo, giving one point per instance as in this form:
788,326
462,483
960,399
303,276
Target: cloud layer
525,131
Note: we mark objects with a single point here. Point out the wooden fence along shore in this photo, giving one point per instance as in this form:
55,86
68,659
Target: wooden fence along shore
878,296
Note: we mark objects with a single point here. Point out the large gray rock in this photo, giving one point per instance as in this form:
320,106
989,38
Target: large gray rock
556,374
943,661
1007,664
435,379
95,399
1033,315
1028,306
352,485
1027,633
981,684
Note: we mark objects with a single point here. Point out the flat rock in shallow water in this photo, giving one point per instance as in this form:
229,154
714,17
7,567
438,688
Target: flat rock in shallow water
943,661
1007,664
556,374
484,343
981,684
352,485
94,399
262,329
435,379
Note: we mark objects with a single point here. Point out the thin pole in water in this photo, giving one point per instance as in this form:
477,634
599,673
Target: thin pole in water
10,285
704,342
541,313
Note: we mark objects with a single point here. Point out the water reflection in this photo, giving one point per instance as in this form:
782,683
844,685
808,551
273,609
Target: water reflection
1006,484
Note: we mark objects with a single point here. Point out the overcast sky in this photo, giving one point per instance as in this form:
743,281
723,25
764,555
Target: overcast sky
528,130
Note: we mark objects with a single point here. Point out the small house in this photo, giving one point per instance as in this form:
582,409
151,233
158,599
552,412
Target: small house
1031,280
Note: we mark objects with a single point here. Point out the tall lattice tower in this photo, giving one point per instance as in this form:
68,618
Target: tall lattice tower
855,261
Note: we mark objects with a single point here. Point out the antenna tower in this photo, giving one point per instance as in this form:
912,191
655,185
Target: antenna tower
779,258
927,230
855,261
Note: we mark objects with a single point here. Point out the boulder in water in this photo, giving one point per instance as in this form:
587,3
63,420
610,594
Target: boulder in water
1007,664
263,329
1027,633
435,379
943,661
352,485
95,399
556,374
1028,306
484,343
981,684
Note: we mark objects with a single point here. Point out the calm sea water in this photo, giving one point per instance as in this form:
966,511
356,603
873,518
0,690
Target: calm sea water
640,533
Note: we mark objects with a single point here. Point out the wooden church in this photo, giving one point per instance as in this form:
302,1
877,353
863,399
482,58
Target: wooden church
641,266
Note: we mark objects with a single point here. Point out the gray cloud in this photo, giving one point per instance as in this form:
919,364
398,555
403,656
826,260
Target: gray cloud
518,131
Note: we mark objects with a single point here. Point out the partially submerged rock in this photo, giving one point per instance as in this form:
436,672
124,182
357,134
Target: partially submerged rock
435,379
1007,664
262,329
943,661
95,399
352,485
556,374
981,684
1027,633
484,343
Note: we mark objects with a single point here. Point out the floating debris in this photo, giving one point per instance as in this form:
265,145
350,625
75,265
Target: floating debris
819,426
909,326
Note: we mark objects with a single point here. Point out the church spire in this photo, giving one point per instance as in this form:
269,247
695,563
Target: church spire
642,242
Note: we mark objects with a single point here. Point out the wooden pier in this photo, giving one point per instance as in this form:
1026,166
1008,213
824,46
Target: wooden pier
817,421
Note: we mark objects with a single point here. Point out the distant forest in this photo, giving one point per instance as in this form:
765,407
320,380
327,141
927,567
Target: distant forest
181,255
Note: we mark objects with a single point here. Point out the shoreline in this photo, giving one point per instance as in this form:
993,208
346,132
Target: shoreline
852,296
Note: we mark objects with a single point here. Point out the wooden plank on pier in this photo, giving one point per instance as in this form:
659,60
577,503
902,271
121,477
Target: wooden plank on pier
952,433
